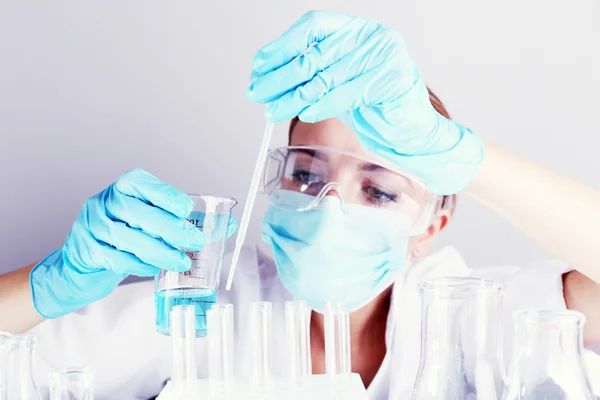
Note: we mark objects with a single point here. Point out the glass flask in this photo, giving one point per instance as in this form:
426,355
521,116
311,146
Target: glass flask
72,384
461,340
6,341
198,286
19,370
548,358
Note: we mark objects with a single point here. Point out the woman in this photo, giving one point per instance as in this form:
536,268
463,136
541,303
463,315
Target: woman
366,123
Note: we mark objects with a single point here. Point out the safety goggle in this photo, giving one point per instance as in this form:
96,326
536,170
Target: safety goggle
318,171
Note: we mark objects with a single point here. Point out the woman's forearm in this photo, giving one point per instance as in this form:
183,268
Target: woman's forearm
17,313
560,213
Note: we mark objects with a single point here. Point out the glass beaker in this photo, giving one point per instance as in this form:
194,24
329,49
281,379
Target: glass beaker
72,384
548,358
198,286
461,347
19,370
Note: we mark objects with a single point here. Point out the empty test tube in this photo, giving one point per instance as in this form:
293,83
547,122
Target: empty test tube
297,321
183,337
260,337
220,347
338,364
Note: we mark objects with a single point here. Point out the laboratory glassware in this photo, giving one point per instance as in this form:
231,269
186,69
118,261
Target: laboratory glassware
184,382
297,325
220,348
250,199
338,363
548,360
183,342
19,369
461,340
260,338
72,384
198,286
6,341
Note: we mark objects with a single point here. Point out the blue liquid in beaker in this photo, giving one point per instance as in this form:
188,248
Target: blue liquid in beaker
201,299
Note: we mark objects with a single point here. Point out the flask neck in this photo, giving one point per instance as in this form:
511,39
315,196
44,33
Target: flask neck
455,324
543,344
19,374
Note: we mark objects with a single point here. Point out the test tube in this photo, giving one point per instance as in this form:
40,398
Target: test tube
338,365
220,347
260,331
297,320
183,336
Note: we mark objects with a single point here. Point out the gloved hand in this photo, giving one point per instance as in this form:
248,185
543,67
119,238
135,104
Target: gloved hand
134,227
361,72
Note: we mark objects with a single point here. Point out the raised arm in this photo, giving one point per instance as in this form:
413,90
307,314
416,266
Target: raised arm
560,213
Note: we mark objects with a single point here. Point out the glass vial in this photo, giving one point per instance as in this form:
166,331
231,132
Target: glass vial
548,358
461,352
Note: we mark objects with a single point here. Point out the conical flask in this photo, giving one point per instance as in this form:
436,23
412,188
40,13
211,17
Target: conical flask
6,341
461,348
19,370
548,358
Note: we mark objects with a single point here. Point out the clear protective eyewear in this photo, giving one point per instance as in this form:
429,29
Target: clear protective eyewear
316,171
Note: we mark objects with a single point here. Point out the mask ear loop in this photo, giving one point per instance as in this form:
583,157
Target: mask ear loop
326,189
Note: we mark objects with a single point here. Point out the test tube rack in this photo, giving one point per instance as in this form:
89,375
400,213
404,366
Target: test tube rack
299,383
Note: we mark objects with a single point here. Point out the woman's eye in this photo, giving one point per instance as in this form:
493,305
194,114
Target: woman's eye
378,196
305,177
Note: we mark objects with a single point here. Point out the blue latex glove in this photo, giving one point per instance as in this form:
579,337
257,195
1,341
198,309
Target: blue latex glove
361,72
131,228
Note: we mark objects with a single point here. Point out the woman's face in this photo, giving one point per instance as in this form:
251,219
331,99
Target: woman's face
334,134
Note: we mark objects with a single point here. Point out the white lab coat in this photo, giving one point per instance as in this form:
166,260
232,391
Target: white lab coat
116,335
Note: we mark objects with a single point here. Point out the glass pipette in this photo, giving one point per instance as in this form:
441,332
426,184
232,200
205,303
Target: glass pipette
249,206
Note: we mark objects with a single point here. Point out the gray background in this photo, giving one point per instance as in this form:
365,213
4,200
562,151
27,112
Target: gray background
91,89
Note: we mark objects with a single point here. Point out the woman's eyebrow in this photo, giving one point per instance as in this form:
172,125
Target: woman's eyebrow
312,153
369,167
373,167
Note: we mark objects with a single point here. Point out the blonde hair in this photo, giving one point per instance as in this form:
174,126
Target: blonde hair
449,202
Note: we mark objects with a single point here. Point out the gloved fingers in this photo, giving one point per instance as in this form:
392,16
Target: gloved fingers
85,253
345,97
368,56
153,221
146,187
323,55
150,250
296,101
313,26
117,234
127,263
